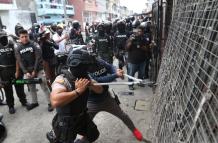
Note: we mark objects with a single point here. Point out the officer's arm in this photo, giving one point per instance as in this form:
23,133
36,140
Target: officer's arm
38,54
60,97
96,88
107,78
19,61
129,44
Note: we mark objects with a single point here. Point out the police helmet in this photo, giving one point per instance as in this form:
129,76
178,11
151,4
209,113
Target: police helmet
3,131
79,57
108,25
121,25
76,24
135,23
132,18
101,26
18,27
3,38
146,25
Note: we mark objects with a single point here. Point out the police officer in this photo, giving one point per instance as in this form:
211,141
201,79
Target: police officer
69,96
8,72
100,72
75,34
104,45
120,39
28,55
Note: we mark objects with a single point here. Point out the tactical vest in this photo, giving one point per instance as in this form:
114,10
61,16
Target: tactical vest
121,39
27,54
104,49
7,57
78,105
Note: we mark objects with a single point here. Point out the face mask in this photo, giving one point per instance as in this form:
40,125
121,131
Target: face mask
80,71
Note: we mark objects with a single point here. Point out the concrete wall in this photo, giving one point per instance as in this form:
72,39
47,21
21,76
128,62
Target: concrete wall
78,8
12,17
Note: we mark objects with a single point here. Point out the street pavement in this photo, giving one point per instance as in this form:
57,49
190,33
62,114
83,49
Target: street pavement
31,126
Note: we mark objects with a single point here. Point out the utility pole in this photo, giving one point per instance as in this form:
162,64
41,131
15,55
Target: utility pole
65,12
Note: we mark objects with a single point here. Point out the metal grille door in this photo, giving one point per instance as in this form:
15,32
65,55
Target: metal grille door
186,102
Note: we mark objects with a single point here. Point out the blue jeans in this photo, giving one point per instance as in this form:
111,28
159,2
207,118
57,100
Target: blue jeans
133,68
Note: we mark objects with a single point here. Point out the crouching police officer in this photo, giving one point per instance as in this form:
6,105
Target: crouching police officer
69,96
8,70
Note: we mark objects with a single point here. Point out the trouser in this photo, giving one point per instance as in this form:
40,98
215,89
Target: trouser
7,74
44,86
133,68
122,59
66,128
49,69
110,105
147,66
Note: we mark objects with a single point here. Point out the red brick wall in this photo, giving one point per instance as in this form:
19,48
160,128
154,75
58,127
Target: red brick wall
78,9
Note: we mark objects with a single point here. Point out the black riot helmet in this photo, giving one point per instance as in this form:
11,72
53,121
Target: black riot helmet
76,24
128,19
3,131
146,26
18,27
108,27
121,26
101,29
79,61
132,18
3,38
135,23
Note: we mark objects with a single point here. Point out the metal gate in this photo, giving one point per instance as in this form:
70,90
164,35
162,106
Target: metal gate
185,108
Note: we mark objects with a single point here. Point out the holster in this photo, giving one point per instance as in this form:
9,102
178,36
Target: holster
65,127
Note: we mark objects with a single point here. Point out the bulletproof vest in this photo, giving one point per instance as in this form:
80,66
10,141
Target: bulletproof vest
7,54
27,53
76,106
104,46
121,39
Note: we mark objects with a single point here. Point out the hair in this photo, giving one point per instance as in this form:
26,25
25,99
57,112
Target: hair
23,31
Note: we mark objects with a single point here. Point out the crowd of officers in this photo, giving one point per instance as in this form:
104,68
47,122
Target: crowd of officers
33,54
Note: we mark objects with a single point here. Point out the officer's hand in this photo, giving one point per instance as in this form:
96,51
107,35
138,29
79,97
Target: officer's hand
28,75
120,73
33,74
16,75
81,85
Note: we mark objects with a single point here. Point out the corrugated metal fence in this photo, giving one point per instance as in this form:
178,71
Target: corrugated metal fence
185,108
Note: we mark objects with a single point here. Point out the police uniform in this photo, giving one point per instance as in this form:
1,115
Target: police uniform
119,44
7,73
104,72
29,59
72,118
104,48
